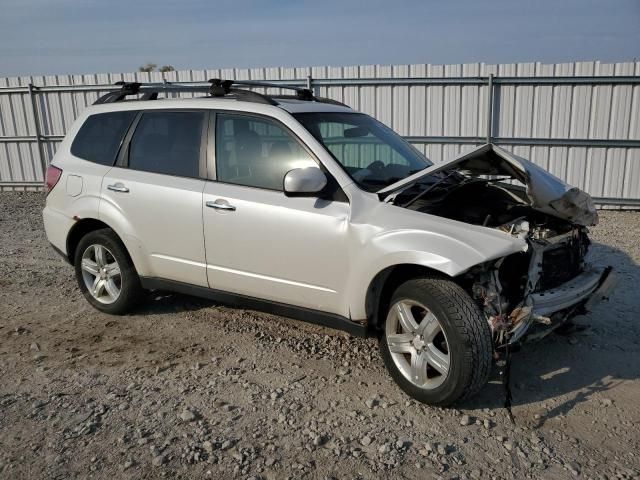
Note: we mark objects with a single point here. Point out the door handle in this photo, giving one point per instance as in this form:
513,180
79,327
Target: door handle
118,187
221,206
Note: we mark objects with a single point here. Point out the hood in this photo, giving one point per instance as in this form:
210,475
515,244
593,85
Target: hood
545,192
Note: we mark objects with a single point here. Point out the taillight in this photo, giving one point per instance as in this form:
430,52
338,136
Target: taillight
53,176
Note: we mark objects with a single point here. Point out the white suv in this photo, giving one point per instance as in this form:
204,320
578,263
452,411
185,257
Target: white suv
301,206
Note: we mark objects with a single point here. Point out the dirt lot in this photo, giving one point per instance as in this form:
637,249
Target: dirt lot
189,389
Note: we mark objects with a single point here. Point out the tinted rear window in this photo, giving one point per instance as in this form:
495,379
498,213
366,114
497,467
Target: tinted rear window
99,138
168,143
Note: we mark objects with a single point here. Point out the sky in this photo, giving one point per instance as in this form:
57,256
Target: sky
95,36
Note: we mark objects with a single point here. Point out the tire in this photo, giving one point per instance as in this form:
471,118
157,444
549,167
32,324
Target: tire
465,355
117,273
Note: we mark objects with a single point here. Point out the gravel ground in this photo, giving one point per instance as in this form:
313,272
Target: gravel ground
188,389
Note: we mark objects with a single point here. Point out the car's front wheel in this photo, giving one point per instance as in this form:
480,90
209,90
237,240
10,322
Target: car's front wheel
105,273
436,343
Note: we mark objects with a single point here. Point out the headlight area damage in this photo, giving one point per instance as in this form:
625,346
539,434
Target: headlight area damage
526,294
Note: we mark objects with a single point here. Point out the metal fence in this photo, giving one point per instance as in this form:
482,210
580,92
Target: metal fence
581,121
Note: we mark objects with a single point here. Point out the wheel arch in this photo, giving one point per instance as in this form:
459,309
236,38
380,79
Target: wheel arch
404,252
384,283
81,228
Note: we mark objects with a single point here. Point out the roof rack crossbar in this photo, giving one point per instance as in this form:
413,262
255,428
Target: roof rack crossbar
127,88
149,91
302,93
214,87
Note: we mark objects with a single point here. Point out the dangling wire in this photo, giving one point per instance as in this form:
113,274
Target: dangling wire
506,382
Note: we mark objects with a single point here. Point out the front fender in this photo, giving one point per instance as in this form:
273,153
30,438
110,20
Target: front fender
440,252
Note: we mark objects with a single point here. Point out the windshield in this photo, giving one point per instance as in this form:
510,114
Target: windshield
370,152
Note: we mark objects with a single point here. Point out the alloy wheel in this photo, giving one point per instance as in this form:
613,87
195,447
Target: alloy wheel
101,273
418,344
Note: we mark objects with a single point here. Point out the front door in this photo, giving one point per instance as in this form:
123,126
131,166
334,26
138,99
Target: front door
259,242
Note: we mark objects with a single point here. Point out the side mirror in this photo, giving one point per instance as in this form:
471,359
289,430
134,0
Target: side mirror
304,181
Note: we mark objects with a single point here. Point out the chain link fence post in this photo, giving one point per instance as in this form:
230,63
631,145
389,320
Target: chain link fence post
490,108
36,123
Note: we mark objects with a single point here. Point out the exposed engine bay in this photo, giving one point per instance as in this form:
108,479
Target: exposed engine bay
528,293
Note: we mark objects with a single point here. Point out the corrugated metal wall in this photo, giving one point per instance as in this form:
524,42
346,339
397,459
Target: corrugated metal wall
586,133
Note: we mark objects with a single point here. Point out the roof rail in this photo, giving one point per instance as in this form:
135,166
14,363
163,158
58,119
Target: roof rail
315,99
215,87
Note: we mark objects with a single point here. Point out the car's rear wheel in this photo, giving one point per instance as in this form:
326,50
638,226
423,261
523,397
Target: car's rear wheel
435,343
105,273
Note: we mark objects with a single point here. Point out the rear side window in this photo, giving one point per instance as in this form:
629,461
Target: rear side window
168,143
99,138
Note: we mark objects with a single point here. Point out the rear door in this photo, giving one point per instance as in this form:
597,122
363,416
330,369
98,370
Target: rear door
154,193
93,153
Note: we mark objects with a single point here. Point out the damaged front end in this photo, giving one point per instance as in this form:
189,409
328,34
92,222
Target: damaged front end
526,294
530,294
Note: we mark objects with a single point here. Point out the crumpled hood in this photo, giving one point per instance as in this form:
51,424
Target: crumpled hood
546,192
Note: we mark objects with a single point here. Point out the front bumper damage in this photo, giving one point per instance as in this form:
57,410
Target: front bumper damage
553,307
583,287
549,310
540,313
527,296
540,310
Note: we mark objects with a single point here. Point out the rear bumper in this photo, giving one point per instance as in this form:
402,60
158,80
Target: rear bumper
591,287
64,256
57,226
